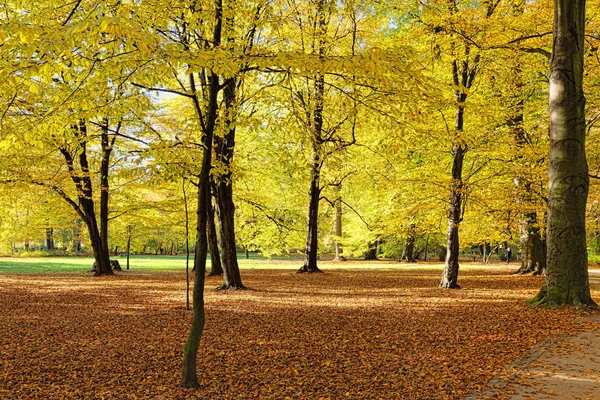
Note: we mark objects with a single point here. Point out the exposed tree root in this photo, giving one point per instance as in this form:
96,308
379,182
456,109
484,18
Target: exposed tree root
305,270
230,287
552,300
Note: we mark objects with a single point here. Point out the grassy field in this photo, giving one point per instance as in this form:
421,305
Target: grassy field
178,263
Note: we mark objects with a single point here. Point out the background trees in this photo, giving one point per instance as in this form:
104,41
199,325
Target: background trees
295,84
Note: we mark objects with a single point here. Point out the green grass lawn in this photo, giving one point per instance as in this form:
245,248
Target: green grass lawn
177,263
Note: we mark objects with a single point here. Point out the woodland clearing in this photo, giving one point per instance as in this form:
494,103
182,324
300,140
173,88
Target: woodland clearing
348,333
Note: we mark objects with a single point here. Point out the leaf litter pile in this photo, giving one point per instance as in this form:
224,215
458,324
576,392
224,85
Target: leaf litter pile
357,334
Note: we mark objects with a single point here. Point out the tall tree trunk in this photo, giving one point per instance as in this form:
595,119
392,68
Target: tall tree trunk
215,258
189,376
463,74
533,249
104,193
232,278
567,280
85,208
311,248
450,274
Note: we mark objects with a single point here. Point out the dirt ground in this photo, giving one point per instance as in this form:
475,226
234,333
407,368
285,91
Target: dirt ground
359,334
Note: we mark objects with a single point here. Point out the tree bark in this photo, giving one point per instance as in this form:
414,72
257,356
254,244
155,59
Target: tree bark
76,246
338,224
49,239
533,248
189,376
450,274
85,208
129,243
232,278
311,248
372,250
567,280
213,246
463,75
409,247
104,193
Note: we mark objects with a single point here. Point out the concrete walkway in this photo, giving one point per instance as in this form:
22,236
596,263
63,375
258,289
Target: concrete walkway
564,367
558,368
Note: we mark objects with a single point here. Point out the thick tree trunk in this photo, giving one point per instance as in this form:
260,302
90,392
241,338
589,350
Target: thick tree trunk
225,208
311,248
49,238
104,193
567,280
213,246
371,253
409,247
533,248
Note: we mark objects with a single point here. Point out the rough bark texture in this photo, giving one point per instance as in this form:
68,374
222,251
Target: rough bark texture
215,258
85,208
567,280
463,74
533,248
450,274
107,146
232,278
311,248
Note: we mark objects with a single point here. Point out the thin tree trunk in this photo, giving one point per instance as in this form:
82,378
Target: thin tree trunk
338,224
567,280
128,243
189,376
450,275
463,76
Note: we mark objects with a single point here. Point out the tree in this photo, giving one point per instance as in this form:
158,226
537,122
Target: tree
567,280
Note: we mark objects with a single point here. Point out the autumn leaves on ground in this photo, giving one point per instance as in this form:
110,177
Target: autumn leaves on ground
360,334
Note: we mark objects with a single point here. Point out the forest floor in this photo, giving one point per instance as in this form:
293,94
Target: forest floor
355,333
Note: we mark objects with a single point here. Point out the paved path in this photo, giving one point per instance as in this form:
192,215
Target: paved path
565,367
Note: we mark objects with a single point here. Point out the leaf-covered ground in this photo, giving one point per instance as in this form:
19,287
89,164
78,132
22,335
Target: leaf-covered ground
345,334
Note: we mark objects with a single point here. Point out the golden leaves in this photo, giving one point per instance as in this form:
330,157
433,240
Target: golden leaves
356,334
